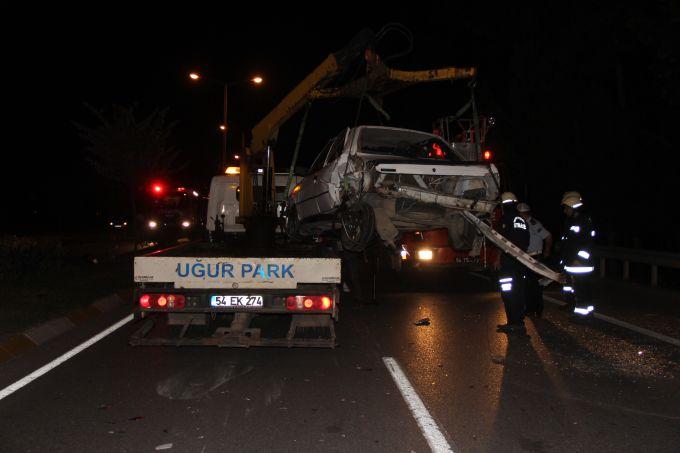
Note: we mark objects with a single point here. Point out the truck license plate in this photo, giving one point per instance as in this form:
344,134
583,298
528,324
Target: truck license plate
236,301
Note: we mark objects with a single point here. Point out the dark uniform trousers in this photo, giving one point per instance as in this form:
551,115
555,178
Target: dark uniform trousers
512,280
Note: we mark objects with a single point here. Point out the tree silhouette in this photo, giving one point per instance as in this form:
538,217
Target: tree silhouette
128,150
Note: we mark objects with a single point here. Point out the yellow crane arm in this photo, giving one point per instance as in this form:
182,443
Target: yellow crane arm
268,128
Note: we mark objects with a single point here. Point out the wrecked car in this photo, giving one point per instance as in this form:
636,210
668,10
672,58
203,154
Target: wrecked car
384,180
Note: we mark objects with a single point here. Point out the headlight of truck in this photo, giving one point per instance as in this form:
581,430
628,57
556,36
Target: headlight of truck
186,224
152,224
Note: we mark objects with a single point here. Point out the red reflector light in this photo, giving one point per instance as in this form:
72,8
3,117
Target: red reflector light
488,155
304,303
162,301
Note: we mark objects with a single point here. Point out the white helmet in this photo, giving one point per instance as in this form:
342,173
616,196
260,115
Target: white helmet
508,197
572,199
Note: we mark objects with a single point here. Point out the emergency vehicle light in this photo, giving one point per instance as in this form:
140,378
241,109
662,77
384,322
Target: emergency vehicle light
233,171
157,188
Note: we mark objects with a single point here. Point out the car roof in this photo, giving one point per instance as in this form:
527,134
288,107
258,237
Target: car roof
398,129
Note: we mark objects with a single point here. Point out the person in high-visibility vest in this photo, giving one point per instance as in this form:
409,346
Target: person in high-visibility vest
578,236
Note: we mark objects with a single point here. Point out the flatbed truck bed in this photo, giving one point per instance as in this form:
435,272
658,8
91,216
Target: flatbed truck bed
230,294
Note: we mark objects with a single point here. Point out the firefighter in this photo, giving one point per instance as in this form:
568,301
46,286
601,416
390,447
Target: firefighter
576,254
511,278
540,245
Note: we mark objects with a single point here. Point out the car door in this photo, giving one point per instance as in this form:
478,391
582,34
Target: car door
314,198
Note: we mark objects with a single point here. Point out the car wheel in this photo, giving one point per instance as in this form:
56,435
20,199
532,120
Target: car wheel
293,224
357,227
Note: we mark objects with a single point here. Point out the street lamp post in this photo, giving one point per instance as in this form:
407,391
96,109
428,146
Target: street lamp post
224,127
224,131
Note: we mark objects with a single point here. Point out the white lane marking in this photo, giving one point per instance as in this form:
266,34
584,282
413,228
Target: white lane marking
642,330
609,319
61,359
624,324
434,437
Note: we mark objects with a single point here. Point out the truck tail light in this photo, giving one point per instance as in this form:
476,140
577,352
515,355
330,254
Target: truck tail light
307,303
162,301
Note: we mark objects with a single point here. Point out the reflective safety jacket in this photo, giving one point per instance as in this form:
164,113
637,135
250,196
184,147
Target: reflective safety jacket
578,236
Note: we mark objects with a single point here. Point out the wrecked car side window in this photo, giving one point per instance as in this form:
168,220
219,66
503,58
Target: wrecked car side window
321,158
337,147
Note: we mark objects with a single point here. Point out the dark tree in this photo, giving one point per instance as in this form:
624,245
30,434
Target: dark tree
129,149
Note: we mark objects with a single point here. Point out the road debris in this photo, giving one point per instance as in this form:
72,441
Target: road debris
163,447
423,322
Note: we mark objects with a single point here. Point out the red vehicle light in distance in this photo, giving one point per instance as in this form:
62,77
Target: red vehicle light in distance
162,301
307,303
488,155
157,188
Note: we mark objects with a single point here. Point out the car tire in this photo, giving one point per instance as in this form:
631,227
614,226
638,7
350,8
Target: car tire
357,227
293,225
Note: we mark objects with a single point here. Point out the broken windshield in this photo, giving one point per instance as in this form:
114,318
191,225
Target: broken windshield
405,143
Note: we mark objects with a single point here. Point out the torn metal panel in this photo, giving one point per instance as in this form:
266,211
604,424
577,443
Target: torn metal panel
448,201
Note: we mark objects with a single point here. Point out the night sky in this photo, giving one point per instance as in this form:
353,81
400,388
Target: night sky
585,96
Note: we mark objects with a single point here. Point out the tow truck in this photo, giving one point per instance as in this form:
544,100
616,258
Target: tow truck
233,293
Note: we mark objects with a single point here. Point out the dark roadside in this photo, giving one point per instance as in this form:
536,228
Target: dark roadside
42,278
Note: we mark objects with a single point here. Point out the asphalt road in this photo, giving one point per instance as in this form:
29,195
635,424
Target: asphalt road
570,387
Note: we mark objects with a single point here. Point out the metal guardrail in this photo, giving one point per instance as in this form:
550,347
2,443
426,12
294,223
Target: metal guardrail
653,258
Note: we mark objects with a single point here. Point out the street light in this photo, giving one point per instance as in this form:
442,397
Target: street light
257,80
